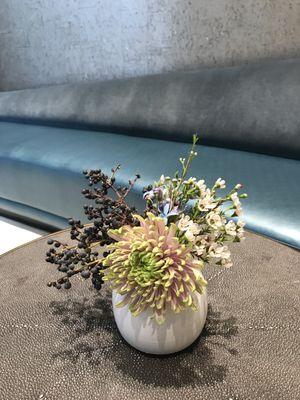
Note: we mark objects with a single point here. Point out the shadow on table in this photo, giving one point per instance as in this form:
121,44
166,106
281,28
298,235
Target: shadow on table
90,335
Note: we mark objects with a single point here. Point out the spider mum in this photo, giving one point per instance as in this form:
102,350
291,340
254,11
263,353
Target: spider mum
151,269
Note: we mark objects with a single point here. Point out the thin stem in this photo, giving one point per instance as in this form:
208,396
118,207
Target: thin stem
185,167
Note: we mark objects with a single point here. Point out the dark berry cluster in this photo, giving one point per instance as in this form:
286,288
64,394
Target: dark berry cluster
108,211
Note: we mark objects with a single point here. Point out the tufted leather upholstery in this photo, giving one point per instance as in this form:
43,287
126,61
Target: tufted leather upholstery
252,108
41,167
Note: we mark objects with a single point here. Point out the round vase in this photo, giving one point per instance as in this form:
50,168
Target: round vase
175,334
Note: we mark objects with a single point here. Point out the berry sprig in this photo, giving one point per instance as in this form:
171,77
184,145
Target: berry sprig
110,211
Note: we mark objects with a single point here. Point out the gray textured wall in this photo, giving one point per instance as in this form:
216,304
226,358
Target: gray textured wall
54,41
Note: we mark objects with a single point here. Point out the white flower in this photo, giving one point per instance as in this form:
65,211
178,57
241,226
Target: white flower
190,235
226,263
201,186
231,228
200,250
203,243
220,183
238,211
223,252
192,180
192,231
214,219
162,180
207,202
218,251
190,228
205,240
238,186
240,230
183,223
189,181
240,223
237,204
235,199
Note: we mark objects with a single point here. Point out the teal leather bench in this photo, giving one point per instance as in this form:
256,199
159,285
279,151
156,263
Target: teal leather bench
247,118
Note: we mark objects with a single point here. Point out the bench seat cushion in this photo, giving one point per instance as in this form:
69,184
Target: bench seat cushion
41,174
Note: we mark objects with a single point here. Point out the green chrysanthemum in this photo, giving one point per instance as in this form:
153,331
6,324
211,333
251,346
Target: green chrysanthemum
152,269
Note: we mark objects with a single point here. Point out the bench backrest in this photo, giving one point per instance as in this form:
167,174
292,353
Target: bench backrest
252,107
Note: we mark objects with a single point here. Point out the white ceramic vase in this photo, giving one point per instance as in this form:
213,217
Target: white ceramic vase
175,334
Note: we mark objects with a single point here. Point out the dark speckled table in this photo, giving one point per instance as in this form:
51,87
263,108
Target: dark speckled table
65,345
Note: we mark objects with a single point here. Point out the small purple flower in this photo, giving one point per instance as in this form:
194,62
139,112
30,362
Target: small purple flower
166,211
149,195
156,192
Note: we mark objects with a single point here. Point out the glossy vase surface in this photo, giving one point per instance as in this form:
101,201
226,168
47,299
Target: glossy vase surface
175,334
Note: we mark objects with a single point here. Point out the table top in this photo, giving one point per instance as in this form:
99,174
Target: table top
65,344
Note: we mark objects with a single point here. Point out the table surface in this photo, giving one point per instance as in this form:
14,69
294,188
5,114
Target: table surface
65,344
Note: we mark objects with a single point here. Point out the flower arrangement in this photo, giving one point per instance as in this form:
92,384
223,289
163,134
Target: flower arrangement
153,259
